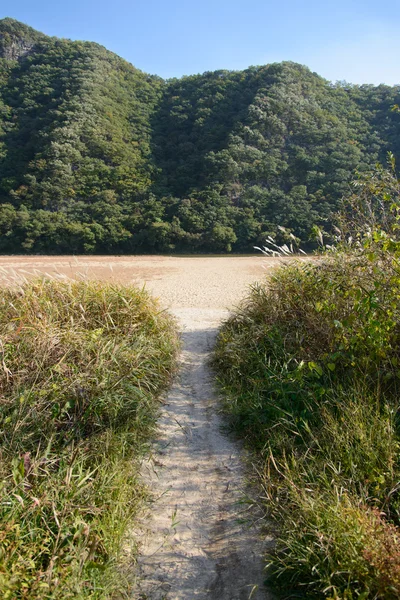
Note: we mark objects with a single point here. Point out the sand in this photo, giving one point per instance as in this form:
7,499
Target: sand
180,282
201,538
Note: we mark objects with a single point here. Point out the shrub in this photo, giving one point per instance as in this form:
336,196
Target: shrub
309,369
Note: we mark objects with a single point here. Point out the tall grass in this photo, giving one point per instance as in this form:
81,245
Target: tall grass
309,366
81,366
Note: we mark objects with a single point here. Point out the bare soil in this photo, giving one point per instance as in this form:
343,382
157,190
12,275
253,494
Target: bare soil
201,536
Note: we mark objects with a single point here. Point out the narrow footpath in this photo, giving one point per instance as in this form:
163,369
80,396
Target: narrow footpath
201,538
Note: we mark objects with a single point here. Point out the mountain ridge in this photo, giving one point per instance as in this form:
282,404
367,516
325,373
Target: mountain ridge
17,39
98,156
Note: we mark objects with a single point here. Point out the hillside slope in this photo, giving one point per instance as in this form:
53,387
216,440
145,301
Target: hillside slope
97,156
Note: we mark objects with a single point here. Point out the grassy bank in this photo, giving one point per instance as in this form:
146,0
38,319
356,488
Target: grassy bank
309,367
81,366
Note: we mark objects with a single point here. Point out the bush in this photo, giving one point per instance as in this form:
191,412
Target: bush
309,368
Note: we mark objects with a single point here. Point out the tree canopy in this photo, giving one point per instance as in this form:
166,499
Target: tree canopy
97,156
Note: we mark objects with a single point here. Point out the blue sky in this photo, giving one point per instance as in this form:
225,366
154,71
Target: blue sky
354,40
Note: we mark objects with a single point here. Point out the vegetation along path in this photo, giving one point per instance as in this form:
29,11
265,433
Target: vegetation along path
199,540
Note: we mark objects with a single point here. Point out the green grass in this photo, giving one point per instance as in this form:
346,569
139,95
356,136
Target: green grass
81,367
309,370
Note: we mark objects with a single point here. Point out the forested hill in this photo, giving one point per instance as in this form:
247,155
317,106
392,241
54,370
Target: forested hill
97,156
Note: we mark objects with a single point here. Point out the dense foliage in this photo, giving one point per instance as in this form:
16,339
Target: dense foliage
96,156
309,366
81,367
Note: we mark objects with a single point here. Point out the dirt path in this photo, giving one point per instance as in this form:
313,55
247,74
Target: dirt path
200,540
195,545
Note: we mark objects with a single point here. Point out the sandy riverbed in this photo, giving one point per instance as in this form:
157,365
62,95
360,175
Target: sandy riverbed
179,282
